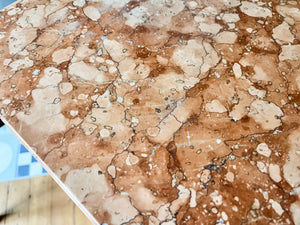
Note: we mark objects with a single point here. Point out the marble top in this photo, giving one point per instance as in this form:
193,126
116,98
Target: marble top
160,111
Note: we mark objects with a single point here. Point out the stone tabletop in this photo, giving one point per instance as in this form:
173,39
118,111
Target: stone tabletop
160,111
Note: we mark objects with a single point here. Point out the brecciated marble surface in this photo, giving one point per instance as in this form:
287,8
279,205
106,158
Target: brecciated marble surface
160,111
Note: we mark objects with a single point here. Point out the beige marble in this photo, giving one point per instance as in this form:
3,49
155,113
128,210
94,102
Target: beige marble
160,111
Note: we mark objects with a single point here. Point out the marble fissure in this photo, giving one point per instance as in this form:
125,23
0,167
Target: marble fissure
160,111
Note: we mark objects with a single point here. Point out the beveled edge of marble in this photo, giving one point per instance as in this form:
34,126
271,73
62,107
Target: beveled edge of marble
51,173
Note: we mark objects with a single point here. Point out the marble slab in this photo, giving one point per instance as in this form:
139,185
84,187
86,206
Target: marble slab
160,111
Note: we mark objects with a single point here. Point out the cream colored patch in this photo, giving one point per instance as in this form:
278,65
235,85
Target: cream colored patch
6,62
44,113
86,72
48,38
166,84
215,106
164,212
162,60
230,176
257,92
260,74
60,15
136,16
167,128
274,171
132,159
120,209
185,109
112,171
62,55
256,204
261,167
6,101
103,100
291,167
33,17
264,150
232,3
73,113
112,116
82,52
193,199
65,88
282,34
226,37
216,198
153,220
54,6
92,13
267,114
104,133
171,222
20,37
133,70
205,176
206,15
115,50
237,70
183,197
211,58
93,182
90,182
277,207
190,57
295,209
62,170
113,4
192,4
224,216
212,28
230,17
21,64
52,76
153,12
13,10
290,14
79,3
144,200
290,52
152,131
252,9
240,110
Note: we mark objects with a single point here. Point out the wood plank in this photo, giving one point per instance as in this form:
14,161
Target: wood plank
3,200
40,202
80,218
61,207
18,202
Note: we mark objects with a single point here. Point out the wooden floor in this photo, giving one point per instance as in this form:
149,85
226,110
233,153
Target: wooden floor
37,201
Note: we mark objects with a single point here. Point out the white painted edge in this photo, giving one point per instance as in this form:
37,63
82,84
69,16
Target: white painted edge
52,174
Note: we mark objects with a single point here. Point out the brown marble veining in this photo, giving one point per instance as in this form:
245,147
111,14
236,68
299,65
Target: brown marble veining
160,111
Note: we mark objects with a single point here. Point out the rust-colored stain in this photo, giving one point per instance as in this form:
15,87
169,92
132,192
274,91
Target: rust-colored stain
160,111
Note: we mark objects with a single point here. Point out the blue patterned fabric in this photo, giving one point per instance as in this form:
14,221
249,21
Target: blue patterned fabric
4,3
15,161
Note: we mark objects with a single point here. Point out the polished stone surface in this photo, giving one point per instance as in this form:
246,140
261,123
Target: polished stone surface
160,111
